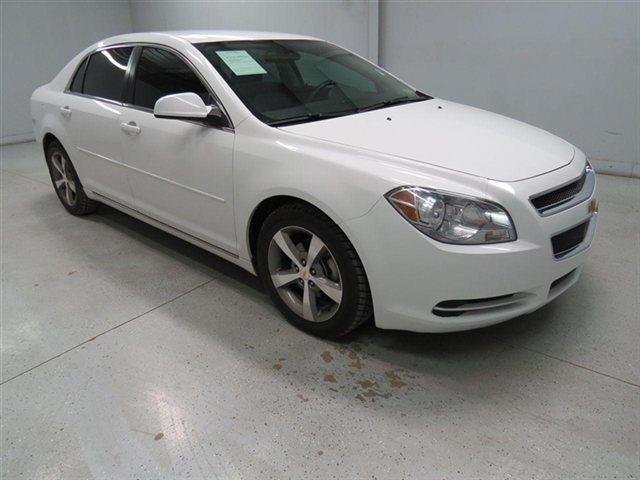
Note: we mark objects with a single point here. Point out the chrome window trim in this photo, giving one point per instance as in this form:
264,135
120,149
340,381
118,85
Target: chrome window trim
583,195
180,55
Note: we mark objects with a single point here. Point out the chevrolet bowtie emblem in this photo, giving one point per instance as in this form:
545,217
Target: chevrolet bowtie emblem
593,206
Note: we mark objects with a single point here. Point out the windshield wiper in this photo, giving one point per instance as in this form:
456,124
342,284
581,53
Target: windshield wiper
309,117
313,116
388,103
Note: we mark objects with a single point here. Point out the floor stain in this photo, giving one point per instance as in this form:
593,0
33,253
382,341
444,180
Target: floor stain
372,393
367,384
277,366
394,380
327,357
357,361
159,436
330,377
302,397
376,386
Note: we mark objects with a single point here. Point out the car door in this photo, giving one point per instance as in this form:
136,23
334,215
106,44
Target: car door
180,171
91,110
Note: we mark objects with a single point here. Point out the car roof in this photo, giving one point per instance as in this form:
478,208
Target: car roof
204,36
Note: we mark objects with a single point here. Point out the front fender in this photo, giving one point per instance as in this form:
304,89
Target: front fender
342,181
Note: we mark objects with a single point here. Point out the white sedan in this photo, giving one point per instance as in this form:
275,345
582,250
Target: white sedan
348,191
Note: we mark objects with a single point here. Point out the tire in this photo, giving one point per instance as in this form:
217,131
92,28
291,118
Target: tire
336,265
65,179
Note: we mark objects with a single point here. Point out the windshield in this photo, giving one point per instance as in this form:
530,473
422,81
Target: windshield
294,81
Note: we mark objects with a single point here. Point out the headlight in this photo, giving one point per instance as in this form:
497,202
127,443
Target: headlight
452,218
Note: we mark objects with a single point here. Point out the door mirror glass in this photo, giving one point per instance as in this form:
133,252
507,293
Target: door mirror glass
183,106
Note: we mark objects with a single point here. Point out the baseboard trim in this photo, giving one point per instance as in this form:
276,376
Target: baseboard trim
614,167
12,139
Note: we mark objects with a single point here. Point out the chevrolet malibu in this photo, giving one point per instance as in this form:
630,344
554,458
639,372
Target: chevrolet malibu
348,191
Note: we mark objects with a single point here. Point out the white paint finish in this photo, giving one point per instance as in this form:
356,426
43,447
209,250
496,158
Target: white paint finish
341,21
207,182
37,39
449,135
94,142
181,105
181,174
570,68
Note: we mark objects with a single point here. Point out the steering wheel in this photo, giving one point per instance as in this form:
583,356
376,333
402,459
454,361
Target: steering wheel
316,91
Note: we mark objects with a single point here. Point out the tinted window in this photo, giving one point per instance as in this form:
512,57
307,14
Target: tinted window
76,84
105,73
161,73
289,81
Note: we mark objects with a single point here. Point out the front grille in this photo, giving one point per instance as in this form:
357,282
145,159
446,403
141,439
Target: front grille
565,242
559,196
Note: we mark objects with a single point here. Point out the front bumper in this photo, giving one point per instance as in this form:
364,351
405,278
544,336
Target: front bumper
422,285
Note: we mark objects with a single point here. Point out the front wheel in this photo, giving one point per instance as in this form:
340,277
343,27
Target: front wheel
312,272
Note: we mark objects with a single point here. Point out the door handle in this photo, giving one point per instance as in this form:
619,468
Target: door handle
65,111
131,128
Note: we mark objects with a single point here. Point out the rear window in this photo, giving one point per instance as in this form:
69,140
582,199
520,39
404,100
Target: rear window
105,72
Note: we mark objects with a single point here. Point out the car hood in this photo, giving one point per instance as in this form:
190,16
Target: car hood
448,135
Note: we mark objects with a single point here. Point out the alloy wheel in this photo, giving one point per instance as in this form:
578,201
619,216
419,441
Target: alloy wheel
305,274
63,178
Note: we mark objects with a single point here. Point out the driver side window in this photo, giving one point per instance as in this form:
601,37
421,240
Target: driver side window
159,73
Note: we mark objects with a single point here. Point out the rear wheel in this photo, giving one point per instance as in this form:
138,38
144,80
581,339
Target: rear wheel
312,271
66,182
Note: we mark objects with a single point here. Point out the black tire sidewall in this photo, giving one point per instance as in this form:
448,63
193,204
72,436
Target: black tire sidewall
336,242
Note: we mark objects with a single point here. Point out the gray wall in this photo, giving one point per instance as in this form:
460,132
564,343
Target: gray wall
37,40
572,69
346,22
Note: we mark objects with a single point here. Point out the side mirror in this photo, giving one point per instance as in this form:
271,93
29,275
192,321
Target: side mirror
182,106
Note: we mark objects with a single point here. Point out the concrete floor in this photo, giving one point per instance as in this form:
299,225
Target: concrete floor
127,353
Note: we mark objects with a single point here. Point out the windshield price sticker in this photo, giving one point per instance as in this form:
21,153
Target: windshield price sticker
240,62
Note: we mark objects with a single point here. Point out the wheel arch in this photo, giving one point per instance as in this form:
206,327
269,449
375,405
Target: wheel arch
270,204
260,214
48,139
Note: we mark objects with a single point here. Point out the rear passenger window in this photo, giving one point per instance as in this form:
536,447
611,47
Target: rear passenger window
78,80
105,73
161,73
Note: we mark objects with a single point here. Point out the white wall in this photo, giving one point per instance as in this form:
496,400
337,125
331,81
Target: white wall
570,68
37,40
346,22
